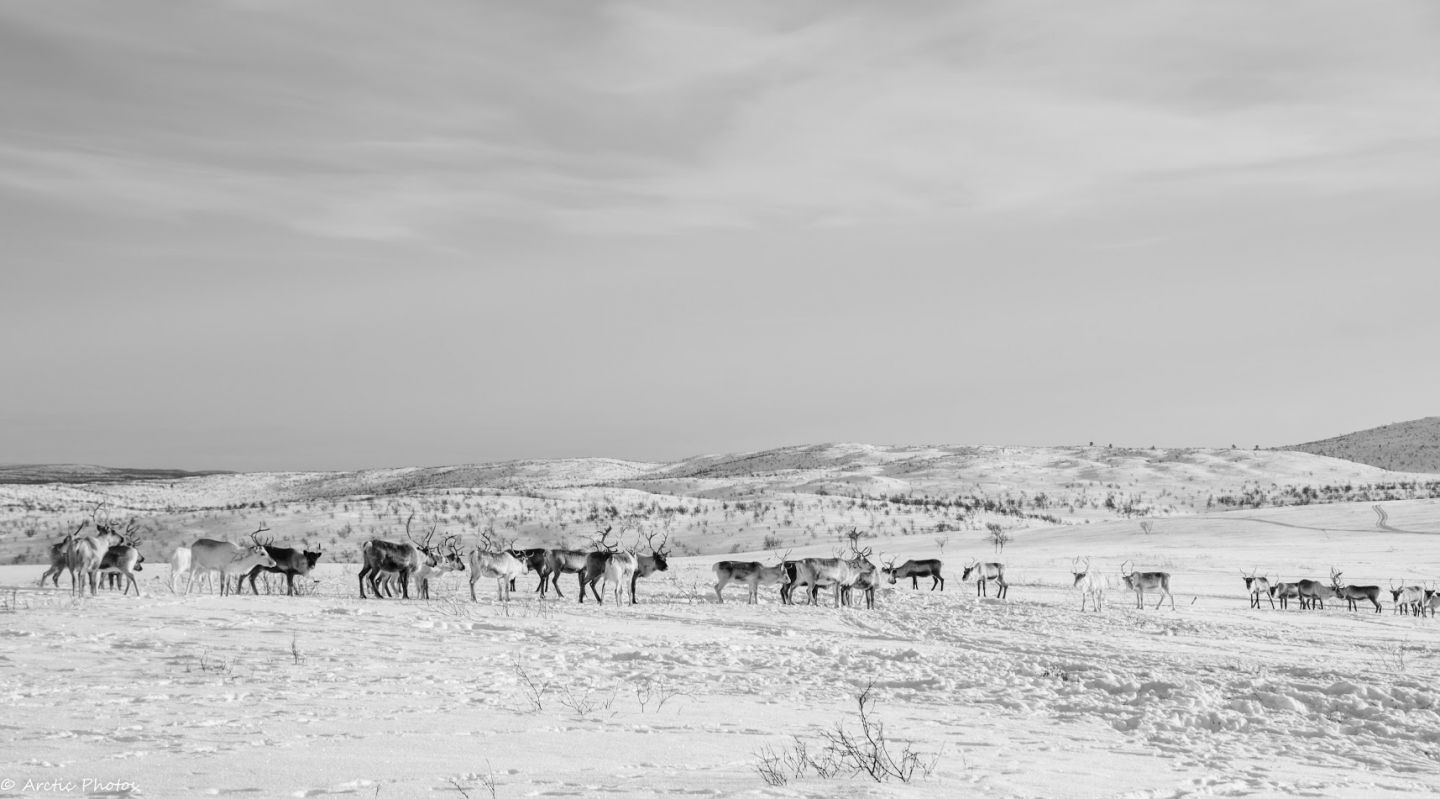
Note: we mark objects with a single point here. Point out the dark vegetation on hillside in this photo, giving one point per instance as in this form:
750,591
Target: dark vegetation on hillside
38,474
1401,447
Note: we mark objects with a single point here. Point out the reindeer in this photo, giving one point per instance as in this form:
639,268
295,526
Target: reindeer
1407,598
1313,593
915,569
122,561
60,551
752,573
647,565
180,565
1431,601
610,563
567,561
564,561
839,571
867,577
1285,592
534,560
495,559
984,573
1091,584
1352,594
1257,586
789,580
223,557
1140,582
288,561
83,556
388,556
816,573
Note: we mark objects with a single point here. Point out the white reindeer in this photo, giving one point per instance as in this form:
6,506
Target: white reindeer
1091,584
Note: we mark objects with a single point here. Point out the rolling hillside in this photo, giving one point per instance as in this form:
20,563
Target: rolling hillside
1402,447
34,474
774,499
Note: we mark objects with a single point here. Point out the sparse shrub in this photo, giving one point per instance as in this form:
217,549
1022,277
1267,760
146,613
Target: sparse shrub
866,751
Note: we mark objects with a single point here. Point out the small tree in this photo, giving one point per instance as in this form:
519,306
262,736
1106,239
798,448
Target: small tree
1147,526
997,536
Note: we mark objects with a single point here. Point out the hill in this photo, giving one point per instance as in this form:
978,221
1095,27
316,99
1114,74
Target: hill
35,474
1403,446
773,499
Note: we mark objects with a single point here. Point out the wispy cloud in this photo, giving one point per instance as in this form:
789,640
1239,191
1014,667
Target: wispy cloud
622,117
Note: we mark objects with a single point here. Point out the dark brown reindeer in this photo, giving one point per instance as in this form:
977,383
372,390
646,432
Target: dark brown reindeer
288,561
1353,594
915,569
534,560
1313,594
567,561
123,560
611,563
405,559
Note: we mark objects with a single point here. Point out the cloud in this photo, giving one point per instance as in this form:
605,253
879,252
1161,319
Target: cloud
630,118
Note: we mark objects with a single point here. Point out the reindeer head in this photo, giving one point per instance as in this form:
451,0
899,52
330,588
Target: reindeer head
1077,571
450,554
856,554
659,552
887,568
311,557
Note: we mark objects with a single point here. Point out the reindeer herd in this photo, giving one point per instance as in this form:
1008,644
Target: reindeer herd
115,553
844,574
1412,600
610,569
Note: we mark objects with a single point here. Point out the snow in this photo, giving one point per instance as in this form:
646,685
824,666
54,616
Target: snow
329,695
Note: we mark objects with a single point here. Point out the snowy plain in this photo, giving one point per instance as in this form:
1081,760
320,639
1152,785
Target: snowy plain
329,695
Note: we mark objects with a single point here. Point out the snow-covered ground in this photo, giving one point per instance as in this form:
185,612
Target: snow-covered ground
330,695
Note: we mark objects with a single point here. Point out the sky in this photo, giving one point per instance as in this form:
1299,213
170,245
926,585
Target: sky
276,235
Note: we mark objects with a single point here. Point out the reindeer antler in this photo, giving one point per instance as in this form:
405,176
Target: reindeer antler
102,526
650,542
255,536
603,541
